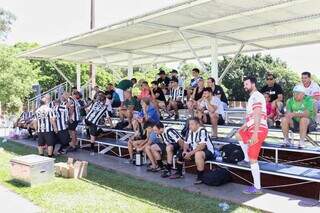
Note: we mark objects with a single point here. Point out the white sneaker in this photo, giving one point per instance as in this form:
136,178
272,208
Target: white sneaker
287,143
301,145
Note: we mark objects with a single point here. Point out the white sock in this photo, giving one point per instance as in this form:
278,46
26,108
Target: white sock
256,175
301,142
244,148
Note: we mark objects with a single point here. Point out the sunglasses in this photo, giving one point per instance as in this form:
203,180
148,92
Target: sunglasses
269,79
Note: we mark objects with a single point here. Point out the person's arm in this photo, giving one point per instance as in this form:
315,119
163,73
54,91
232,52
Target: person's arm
53,121
212,108
193,94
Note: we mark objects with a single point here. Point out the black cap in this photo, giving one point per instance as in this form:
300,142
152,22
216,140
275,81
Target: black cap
174,71
162,72
174,79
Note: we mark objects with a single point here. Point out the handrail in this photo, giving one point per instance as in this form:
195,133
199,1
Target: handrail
48,91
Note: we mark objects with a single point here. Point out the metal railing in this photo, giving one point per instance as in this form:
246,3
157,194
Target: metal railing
54,92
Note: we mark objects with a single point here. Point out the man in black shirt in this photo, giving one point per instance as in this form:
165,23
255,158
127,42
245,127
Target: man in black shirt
273,89
218,91
163,79
157,92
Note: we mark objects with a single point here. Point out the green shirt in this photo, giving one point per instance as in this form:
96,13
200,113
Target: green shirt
133,102
299,107
124,84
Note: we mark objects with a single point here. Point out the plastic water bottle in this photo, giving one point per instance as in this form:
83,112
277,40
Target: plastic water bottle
224,206
4,140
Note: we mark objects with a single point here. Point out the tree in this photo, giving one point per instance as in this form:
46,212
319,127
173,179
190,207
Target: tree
16,78
256,65
6,20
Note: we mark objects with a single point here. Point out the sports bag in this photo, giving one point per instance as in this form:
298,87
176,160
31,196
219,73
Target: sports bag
231,153
217,177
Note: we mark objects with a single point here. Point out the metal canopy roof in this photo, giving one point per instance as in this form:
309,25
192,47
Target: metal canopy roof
163,36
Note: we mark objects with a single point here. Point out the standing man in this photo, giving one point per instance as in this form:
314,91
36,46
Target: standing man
310,87
74,118
46,127
253,132
62,117
175,98
124,85
97,110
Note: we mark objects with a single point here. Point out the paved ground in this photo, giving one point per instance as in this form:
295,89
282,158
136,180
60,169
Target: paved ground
270,201
14,203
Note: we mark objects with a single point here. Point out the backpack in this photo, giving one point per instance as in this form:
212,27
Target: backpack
231,153
121,125
217,177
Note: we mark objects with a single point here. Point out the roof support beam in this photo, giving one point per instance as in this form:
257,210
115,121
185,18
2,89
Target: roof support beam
130,66
280,22
214,58
230,64
186,41
60,72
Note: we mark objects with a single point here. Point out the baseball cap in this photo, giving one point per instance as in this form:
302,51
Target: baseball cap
161,72
298,89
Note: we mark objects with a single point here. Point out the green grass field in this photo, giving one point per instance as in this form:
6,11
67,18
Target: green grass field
104,191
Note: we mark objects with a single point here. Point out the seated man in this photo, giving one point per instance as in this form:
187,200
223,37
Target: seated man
97,110
149,111
158,95
173,144
24,119
300,116
316,98
198,146
210,110
140,138
192,104
175,98
123,86
130,106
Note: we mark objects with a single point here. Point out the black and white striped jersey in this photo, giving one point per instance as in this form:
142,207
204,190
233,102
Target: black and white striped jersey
170,135
74,104
51,104
43,116
26,116
199,137
62,116
97,110
176,94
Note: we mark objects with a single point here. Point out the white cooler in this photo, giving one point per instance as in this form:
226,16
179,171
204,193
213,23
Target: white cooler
32,169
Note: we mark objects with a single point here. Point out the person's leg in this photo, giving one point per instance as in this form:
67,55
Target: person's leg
41,143
199,159
175,109
243,137
303,129
92,142
285,125
148,152
156,152
50,151
179,165
129,116
130,149
190,106
214,124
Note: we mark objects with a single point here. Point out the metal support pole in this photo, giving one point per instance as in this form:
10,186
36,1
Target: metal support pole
93,78
60,72
78,67
130,66
231,63
192,50
214,59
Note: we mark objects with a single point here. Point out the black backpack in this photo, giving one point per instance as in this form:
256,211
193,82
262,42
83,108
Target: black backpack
217,177
231,153
121,125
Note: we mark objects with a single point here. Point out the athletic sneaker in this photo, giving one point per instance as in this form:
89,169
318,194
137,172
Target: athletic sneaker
176,176
131,161
251,190
166,174
71,149
287,143
301,145
198,181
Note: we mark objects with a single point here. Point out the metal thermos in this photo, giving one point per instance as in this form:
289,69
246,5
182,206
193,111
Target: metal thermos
138,159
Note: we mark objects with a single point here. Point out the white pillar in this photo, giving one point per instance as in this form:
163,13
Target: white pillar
78,68
130,66
93,79
214,59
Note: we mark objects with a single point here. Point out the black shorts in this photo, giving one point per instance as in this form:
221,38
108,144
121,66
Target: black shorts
208,155
63,137
46,138
72,126
296,126
220,120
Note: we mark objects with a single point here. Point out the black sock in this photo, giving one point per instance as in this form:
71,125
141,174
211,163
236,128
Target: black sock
92,146
169,166
50,156
30,132
41,154
200,175
179,168
160,163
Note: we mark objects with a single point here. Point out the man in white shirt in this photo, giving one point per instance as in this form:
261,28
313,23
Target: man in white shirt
210,110
310,86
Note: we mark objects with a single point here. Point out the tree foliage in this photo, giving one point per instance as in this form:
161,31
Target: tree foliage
6,20
256,65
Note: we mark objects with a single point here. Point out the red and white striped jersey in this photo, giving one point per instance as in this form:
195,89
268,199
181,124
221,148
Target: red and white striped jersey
256,100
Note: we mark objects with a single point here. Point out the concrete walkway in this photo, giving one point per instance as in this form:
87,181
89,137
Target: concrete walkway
270,201
13,203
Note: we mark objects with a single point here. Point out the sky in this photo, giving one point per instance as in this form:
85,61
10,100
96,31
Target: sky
46,21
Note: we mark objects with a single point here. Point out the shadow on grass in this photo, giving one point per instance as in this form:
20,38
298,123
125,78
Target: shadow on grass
166,198
17,184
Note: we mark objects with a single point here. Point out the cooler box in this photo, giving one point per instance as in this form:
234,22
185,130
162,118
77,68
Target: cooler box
32,169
